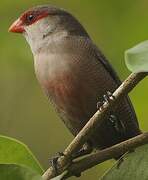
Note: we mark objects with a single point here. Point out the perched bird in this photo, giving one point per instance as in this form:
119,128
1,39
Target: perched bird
74,74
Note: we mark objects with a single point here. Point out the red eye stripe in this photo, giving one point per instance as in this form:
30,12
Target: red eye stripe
31,17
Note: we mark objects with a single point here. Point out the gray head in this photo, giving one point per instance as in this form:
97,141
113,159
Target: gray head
45,22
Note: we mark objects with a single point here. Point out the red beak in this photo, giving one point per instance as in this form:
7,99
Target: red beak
17,27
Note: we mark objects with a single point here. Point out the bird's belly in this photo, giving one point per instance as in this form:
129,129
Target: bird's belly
73,91
70,99
75,80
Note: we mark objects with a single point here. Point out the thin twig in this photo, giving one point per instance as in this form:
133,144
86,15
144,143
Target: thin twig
106,154
93,123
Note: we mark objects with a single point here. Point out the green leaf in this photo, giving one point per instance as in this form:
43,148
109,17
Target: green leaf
134,166
17,172
136,58
15,152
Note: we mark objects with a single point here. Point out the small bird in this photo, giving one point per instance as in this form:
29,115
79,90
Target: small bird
74,74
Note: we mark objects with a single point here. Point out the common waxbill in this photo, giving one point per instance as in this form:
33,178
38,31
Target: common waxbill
74,74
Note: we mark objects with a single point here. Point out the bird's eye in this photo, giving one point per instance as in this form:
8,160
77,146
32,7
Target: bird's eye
30,17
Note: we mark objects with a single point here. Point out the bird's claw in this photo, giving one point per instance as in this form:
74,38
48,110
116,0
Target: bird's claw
107,98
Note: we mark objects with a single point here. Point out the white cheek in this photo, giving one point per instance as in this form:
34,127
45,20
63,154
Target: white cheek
39,28
36,33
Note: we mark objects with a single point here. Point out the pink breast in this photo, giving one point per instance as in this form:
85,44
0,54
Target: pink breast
65,92
60,90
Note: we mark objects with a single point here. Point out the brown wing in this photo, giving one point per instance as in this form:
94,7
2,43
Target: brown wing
115,77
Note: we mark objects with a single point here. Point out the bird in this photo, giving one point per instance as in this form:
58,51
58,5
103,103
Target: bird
75,75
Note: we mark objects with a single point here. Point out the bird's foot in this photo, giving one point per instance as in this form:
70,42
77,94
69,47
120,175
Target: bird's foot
107,98
54,159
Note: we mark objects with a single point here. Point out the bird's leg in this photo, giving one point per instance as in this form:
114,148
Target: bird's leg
108,97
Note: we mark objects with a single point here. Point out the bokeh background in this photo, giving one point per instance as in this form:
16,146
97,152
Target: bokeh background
25,113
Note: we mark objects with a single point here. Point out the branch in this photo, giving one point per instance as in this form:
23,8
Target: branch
93,123
100,156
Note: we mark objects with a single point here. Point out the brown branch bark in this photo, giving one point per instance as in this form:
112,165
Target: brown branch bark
106,154
93,123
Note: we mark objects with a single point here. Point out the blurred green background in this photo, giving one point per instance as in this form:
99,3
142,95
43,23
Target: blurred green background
25,113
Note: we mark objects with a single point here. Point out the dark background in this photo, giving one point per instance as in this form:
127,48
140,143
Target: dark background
25,113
